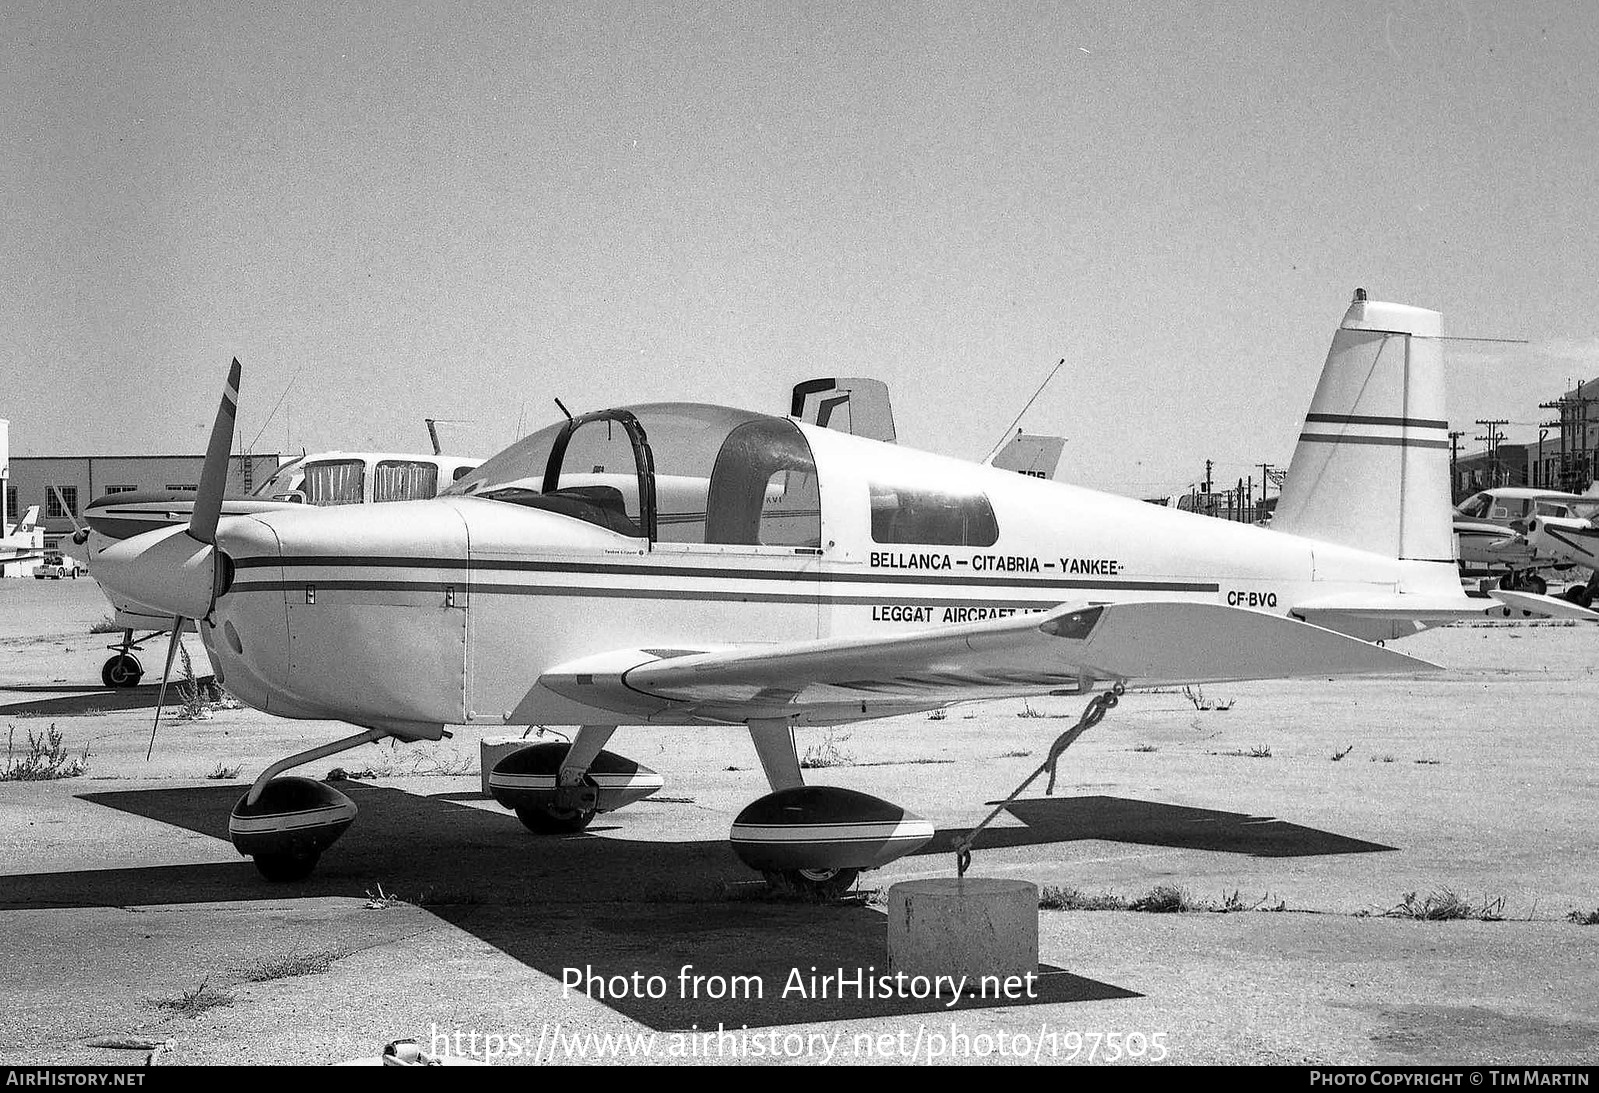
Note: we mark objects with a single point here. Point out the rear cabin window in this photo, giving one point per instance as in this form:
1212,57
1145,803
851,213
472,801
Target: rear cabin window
334,482
931,517
404,480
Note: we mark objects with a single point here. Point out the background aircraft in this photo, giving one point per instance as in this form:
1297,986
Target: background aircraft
872,580
325,478
1490,531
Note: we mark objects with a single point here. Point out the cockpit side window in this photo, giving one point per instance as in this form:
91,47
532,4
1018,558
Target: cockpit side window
404,480
931,517
1476,507
334,482
763,489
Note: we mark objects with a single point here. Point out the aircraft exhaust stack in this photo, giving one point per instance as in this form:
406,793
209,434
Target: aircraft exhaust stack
1371,470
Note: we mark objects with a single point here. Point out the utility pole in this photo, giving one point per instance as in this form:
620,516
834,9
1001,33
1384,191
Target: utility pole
1454,457
1209,463
1265,479
1573,423
1493,438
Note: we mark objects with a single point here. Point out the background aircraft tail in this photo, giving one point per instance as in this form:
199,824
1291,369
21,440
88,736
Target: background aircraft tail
858,406
1030,454
1372,467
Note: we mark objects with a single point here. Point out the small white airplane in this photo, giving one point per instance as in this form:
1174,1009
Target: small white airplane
765,572
323,478
1568,532
1490,532
22,541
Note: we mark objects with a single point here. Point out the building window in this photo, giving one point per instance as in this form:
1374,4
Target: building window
52,506
191,487
120,489
11,504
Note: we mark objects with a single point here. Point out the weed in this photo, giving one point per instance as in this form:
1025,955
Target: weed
1145,748
1019,753
200,699
1028,711
1429,762
938,715
827,753
1584,918
382,901
1380,759
1445,906
1165,899
1338,755
295,964
222,772
44,760
106,625
1259,751
195,1002
1053,898
1196,695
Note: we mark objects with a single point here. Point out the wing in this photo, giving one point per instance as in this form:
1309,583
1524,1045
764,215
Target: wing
1070,647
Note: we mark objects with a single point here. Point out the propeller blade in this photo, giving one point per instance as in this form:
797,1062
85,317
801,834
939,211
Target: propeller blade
172,652
66,508
214,475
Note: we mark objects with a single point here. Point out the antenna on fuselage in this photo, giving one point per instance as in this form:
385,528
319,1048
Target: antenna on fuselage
564,410
1004,438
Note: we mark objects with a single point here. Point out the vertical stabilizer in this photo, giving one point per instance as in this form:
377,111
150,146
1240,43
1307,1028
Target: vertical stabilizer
1372,467
858,406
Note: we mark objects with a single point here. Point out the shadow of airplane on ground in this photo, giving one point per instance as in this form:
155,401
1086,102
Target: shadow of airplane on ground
71,701
1152,823
620,906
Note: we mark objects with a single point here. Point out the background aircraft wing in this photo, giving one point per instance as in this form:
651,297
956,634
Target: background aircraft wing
1143,644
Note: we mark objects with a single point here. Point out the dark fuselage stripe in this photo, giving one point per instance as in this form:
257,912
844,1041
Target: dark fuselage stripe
580,592
491,566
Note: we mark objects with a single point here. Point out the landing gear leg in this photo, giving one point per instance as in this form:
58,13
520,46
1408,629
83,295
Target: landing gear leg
122,668
576,797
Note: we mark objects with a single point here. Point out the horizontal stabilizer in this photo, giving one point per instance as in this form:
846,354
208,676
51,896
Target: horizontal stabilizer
1397,614
1069,648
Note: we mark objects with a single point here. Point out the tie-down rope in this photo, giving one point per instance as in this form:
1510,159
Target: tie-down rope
1092,715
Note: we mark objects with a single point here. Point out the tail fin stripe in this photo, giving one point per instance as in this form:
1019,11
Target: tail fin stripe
1366,419
1391,441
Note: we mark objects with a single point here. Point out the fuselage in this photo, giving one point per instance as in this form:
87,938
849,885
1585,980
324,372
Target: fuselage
414,615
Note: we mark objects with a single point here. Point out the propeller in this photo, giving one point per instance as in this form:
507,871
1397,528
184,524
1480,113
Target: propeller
203,528
80,534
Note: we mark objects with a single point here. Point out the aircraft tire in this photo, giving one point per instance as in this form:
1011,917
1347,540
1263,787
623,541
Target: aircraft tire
283,868
1534,584
821,884
121,670
549,820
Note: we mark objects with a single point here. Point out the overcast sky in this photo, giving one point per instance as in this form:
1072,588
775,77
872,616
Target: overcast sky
463,210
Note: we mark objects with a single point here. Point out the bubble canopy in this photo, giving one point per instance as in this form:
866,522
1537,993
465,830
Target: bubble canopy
667,472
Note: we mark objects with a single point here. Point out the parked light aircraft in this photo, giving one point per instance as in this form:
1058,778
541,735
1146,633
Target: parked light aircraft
1490,528
22,541
323,478
1569,533
764,572
859,406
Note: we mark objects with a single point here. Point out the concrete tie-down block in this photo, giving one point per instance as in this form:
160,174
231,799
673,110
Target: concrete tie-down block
974,927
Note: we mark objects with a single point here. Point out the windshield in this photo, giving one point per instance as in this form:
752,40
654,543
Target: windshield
720,475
